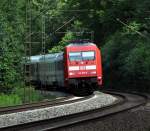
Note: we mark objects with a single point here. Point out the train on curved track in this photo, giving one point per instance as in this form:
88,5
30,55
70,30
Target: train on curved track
78,68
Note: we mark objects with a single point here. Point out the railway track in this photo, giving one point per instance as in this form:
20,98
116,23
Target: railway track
126,102
42,104
35,105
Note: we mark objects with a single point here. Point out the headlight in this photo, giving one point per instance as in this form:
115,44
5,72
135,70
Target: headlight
71,73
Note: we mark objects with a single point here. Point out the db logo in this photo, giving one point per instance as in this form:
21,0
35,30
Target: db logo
82,68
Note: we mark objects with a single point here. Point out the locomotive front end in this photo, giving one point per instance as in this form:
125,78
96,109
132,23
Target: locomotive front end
83,67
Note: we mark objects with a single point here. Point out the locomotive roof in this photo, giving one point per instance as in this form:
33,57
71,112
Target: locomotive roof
80,44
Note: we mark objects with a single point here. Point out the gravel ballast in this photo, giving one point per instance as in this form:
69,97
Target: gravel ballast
133,120
99,100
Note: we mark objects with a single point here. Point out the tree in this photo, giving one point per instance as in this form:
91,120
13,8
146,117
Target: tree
11,44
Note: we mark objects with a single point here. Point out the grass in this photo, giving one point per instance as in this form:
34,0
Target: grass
29,94
23,95
9,100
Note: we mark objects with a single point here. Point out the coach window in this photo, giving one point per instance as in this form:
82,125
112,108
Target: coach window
88,55
75,56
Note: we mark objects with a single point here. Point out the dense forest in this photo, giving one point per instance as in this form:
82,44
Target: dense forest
121,28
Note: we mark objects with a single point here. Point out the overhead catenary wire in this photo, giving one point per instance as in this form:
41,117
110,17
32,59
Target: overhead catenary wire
79,32
61,26
61,10
139,33
64,24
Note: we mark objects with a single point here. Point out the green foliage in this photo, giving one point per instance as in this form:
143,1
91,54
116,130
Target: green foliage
11,39
27,94
132,28
23,95
126,60
126,51
9,100
137,64
65,40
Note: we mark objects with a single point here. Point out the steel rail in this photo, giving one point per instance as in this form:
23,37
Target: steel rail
42,104
60,122
131,101
128,101
27,106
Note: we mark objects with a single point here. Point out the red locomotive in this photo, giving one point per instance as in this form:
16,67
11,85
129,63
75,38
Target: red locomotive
83,66
78,68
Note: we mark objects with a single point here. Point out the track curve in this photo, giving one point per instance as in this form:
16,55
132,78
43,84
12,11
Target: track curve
126,102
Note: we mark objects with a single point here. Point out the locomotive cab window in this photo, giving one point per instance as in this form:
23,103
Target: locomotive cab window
75,56
85,55
88,55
